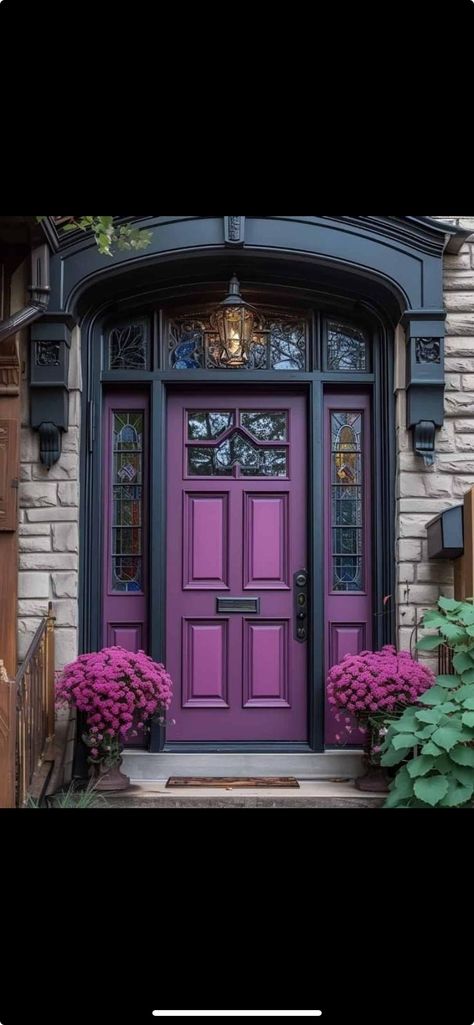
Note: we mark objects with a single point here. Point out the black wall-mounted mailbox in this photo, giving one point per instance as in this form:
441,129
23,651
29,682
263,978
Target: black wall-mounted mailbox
445,534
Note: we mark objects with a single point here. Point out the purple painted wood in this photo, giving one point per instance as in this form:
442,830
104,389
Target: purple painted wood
237,676
124,612
348,614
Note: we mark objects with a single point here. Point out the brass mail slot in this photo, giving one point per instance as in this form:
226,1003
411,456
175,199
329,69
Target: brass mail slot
238,604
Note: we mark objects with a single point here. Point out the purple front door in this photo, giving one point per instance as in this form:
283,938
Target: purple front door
236,535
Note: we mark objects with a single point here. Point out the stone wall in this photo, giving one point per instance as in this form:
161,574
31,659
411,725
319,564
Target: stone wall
421,491
49,523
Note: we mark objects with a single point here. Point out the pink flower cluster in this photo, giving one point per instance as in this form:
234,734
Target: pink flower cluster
117,689
377,681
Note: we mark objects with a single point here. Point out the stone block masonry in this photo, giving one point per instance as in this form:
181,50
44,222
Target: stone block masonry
49,526
422,491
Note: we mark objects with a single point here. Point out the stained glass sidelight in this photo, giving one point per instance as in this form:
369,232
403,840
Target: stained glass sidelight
347,347
128,346
346,501
127,496
233,443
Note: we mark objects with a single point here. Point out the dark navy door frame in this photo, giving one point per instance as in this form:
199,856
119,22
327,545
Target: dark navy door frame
157,382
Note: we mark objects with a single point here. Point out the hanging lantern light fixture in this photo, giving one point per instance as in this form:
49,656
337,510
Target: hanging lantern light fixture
238,325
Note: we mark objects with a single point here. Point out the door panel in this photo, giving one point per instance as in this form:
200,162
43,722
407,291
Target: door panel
236,529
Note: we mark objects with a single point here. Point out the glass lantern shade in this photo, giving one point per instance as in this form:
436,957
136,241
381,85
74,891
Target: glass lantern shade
236,323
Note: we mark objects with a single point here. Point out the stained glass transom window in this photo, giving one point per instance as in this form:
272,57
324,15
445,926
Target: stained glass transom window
129,347
127,501
237,443
281,344
347,347
347,521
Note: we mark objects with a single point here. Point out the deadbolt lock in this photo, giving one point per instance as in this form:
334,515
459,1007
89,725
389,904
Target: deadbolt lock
300,584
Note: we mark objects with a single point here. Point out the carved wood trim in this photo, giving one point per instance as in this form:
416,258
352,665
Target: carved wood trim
10,368
9,455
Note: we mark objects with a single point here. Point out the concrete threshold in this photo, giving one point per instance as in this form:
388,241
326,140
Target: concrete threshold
144,766
311,794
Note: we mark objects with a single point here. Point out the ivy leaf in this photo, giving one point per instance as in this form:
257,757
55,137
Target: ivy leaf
468,718
456,795
462,661
447,681
429,642
403,740
420,766
446,737
432,749
462,755
431,789
449,604
434,696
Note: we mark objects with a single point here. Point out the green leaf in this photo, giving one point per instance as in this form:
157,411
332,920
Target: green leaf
431,789
403,740
457,794
446,737
464,694
429,642
393,757
470,631
406,724
468,703
468,718
466,615
447,681
447,706
464,773
462,755
468,676
395,801
403,783
433,618
420,766
432,749
449,604
434,696
432,715
462,661
444,765
424,734
454,633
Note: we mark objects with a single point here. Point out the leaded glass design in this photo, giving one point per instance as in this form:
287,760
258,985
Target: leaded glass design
347,347
280,343
229,443
129,347
266,425
347,501
127,499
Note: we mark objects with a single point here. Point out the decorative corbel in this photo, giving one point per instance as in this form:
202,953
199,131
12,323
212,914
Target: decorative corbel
234,231
49,367
425,378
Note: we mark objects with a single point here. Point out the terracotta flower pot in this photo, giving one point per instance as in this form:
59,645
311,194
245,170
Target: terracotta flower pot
107,777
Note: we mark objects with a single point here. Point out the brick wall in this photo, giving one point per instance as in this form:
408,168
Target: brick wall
421,491
49,521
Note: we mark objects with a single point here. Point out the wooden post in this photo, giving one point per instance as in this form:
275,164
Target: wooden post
7,739
50,681
464,566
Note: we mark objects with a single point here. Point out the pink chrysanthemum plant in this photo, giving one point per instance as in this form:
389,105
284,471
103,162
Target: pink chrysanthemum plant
375,687
119,692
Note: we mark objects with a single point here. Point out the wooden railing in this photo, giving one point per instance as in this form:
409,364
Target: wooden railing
27,717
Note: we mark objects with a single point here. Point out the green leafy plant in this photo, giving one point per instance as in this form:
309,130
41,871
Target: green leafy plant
433,741
108,235
73,797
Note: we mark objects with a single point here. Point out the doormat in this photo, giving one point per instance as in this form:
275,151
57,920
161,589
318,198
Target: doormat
231,782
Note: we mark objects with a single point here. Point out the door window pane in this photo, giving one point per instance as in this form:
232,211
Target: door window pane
347,501
127,501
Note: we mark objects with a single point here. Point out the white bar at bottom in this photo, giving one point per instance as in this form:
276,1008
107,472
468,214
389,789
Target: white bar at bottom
237,1014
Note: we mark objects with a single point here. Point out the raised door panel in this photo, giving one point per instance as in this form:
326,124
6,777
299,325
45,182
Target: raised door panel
265,541
205,541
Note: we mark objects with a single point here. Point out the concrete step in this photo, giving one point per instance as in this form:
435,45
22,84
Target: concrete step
142,766
320,794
